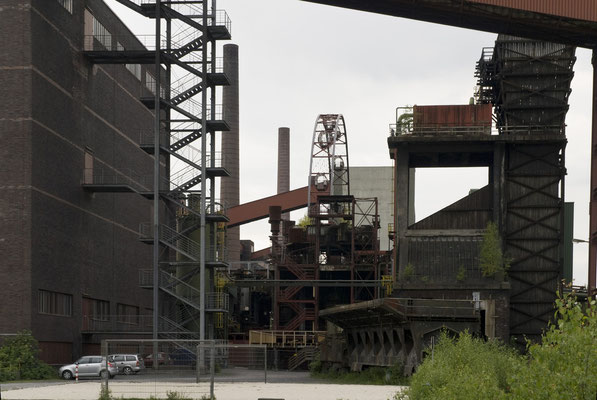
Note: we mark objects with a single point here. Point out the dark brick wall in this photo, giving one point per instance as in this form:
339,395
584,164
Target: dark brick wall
15,166
54,235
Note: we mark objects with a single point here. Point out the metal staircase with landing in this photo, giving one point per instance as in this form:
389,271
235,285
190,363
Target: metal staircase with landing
189,119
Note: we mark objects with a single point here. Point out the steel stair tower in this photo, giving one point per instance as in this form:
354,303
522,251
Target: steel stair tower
182,89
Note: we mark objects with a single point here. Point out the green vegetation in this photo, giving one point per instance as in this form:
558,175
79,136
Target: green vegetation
461,274
492,260
370,376
409,272
105,395
562,366
305,221
19,359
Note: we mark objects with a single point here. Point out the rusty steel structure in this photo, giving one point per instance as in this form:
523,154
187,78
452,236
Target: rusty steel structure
573,23
337,242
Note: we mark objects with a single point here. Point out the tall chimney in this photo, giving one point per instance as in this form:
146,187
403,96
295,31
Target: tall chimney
230,186
284,163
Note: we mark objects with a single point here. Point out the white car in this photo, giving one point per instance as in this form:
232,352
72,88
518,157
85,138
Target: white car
88,366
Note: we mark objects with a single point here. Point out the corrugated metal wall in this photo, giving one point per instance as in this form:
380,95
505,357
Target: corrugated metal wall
472,212
439,259
579,9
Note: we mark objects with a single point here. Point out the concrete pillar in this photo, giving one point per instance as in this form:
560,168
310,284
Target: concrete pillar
230,186
284,164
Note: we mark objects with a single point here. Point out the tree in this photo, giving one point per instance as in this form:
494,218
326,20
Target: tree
564,365
19,359
492,260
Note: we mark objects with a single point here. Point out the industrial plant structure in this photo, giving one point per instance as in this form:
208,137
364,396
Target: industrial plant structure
109,152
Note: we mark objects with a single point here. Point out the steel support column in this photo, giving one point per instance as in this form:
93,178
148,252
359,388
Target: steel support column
592,284
156,181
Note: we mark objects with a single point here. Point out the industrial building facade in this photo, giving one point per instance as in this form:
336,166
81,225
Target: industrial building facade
70,257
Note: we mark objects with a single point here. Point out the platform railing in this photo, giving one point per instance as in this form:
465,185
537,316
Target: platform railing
283,338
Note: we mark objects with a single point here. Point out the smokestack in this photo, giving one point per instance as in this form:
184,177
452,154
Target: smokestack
284,164
230,186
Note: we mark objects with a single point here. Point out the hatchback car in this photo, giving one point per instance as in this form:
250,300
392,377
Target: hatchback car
127,363
88,366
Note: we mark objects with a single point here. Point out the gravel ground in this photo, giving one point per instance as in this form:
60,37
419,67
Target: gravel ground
89,390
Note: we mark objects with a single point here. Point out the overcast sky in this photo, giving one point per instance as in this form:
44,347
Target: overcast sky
298,60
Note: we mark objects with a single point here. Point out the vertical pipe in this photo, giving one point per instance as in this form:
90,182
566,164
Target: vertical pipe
202,285
592,282
230,187
284,164
156,181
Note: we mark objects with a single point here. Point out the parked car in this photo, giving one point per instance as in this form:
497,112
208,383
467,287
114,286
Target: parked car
127,363
89,366
163,359
182,356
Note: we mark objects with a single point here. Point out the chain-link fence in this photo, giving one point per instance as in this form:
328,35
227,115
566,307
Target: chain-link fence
187,368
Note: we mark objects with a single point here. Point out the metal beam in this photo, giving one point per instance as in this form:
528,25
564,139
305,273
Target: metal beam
534,22
306,283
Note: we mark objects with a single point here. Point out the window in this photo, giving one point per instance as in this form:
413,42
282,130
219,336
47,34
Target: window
67,4
127,314
88,170
135,69
96,310
54,303
149,82
101,34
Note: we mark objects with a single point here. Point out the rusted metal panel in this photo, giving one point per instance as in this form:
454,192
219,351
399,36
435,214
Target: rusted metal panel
452,120
452,115
577,9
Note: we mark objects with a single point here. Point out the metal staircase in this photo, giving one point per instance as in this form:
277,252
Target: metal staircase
302,356
187,116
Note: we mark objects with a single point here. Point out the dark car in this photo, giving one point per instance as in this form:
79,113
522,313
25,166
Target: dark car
183,356
163,359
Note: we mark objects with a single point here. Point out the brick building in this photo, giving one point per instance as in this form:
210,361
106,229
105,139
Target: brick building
70,257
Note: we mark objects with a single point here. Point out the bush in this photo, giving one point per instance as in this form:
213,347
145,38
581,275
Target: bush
563,366
19,359
462,368
492,260
369,376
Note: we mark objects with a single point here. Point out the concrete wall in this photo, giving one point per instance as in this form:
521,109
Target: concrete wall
366,182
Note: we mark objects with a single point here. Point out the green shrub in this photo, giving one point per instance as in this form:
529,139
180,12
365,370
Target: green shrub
369,376
564,364
19,359
492,261
409,272
461,274
462,368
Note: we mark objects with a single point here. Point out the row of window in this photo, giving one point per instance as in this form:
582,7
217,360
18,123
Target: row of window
55,303
101,34
67,4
